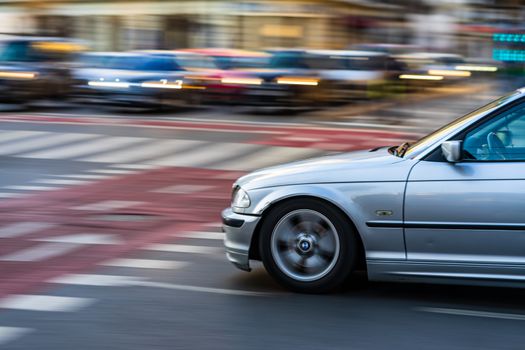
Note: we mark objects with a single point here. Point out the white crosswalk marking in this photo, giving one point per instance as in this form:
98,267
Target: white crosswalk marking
204,155
14,136
83,238
183,189
94,280
11,194
23,228
30,188
107,205
85,176
44,303
181,248
267,156
129,155
139,152
54,139
98,144
145,263
202,235
112,171
62,182
9,334
134,166
41,252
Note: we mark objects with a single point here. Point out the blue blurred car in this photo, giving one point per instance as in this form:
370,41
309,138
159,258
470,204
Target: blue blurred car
141,79
36,68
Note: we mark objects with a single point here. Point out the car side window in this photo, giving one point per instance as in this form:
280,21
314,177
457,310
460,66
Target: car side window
501,138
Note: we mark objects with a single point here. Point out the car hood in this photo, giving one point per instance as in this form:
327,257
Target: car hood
361,166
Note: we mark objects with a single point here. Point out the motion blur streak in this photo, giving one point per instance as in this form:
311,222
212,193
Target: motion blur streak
298,81
449,73
109,84
420,77
18,75
478,68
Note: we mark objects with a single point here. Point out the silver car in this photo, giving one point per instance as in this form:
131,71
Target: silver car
447,208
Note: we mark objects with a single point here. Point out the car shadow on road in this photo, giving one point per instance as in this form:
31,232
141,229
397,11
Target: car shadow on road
444,295
357,287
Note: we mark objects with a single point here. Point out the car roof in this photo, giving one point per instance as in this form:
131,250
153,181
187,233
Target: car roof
359,53
431,55
224,52
167,53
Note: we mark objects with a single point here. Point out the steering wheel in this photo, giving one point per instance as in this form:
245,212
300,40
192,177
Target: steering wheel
496,147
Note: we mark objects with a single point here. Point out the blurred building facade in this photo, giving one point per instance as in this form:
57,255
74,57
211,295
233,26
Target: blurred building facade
122,25
464,26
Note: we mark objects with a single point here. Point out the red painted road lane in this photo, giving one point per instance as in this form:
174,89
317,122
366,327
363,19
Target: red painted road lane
164,210
332,139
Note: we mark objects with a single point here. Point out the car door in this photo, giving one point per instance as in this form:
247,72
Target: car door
472,213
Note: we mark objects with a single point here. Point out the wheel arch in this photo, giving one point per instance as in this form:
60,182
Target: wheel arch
254,245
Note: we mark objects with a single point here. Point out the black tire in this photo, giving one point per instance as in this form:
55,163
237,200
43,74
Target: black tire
348,246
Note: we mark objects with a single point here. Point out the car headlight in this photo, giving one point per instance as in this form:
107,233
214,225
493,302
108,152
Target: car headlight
240,198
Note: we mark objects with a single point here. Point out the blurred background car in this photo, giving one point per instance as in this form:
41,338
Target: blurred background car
352,74
36,68
143,78
288,80
227,59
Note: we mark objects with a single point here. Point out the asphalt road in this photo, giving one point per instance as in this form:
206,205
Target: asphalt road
111,240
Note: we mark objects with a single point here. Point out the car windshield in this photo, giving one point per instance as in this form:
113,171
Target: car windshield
340,62
289,60
405,150
140,63
195,61
247,62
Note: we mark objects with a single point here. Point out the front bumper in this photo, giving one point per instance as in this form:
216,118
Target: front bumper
239,230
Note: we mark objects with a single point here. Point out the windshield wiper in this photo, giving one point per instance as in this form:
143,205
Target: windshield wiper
401,149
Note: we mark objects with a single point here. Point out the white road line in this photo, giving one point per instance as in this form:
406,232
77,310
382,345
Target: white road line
138,152
9,334
371,125
12,194
214,224
473,313
83,238
15,136
85,176
112,171
134,166
44,303
108,205
23,228
31,188
125,281
41,252
54,139
183,189
145,263
62,182
181,248
203,289
97,144
267,156
201,235
95,280
205,155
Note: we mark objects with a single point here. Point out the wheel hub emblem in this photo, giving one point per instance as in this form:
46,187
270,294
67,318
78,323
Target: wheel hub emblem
305,244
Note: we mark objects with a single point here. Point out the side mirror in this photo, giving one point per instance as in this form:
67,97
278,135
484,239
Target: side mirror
451,151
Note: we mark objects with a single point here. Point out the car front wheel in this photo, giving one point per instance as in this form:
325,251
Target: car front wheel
307,245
